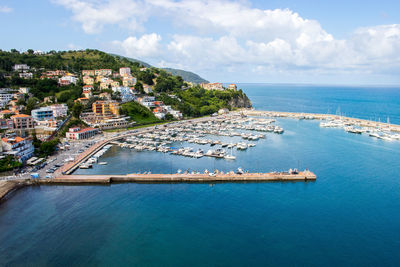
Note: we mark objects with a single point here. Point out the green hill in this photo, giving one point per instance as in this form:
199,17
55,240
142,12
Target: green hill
186,75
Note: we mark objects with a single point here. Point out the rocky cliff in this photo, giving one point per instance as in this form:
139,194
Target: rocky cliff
241,101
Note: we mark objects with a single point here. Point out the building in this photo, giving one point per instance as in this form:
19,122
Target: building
147,89
88,87
83,100
19,96
59,110
129,81
44,129
125,71
88,80
5,98
103,72
6,124
212,86
88,73
105,108
125,92
114,123
23,121
114,84
6,113
20,148
42,114
21,67
232,87
105,96
50,99
87,93
24,90
67,80
78,134
26,75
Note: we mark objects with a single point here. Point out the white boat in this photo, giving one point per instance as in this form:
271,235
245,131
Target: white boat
230,157
103,163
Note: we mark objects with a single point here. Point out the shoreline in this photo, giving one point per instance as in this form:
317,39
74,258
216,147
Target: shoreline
11,186
64,176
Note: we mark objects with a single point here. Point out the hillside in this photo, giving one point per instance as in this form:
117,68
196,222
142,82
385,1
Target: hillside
186,75
191,101
147,65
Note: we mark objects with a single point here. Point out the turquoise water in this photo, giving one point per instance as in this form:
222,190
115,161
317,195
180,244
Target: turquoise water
349,216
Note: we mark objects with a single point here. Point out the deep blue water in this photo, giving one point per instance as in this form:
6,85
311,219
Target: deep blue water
349,216
372,103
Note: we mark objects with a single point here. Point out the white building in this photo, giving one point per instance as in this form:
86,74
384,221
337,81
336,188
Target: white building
26,75
21,148
21,67
5,98
125,92
59,110
66,80
125,71
42,114
24,90
78,134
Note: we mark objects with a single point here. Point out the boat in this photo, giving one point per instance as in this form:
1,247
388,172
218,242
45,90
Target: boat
230,157
103,163
85,166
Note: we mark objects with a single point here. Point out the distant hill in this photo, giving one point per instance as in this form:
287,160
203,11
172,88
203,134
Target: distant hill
186,75
133,60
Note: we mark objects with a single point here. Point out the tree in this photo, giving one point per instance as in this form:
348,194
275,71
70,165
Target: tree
77,109
168,117
48,148
139,87
31,104
21,102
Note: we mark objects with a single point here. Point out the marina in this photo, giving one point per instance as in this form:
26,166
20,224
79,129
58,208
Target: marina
385,131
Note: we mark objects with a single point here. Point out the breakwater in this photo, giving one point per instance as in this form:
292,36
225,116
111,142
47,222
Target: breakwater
6,187
315,116
160,178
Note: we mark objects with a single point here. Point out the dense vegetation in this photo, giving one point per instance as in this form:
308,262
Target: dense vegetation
186,75
44,148
197,101
138,113
193,101
9,163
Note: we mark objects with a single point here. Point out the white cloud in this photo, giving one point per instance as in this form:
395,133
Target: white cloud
222,34
147,46
5,9
94,15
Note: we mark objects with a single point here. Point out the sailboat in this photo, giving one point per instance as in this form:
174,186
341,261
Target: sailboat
232,157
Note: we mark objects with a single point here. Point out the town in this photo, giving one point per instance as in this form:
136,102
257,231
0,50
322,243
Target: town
37,122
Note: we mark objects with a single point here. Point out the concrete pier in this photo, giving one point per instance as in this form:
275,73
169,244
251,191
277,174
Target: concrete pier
315,116
186,178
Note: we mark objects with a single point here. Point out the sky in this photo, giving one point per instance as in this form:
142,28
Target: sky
276,41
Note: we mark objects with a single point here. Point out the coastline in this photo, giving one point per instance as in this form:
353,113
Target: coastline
64,176
8,187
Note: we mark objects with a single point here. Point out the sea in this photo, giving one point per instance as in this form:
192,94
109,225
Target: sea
349,216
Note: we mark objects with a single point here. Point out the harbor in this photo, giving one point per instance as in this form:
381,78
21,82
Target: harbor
377,129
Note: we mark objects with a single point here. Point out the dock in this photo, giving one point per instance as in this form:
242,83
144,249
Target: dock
184,177
316,116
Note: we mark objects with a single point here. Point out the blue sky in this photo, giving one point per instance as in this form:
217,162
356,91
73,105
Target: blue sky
330,42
